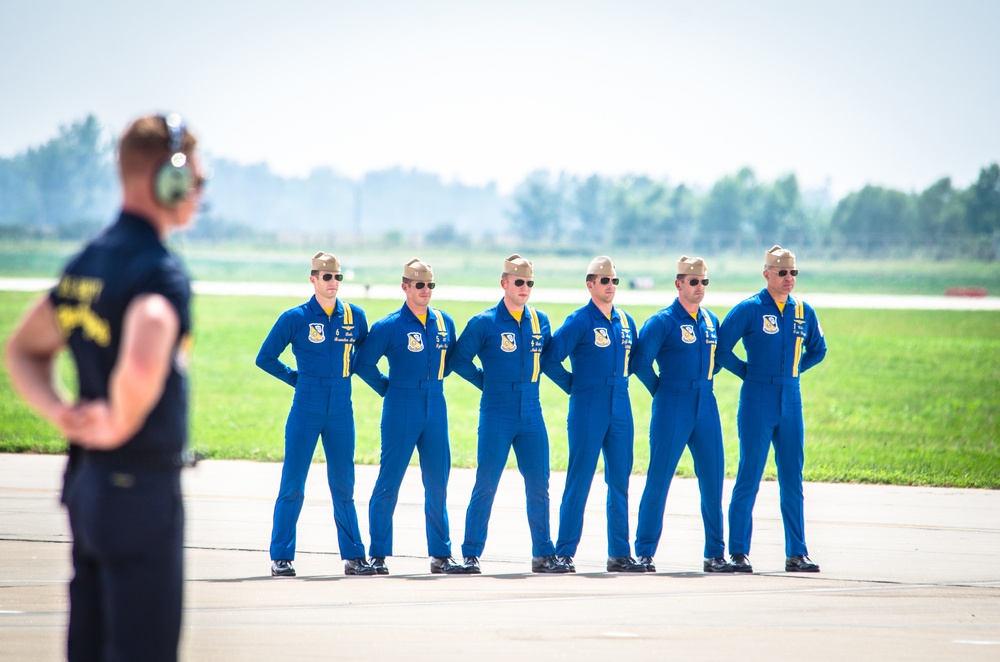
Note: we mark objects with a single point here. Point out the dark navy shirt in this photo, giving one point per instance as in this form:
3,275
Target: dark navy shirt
127,260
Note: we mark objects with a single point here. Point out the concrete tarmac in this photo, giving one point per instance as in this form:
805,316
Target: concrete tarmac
907,573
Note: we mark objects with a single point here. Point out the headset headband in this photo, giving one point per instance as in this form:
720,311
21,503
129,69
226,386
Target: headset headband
174,179
175,132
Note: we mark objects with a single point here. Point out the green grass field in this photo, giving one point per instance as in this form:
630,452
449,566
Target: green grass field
904,397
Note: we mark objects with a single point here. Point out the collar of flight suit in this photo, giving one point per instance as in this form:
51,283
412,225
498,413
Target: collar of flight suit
408,314
502,309
766,298
314,306
596,312
679,312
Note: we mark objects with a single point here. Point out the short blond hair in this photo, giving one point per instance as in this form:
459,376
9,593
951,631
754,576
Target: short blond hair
145,145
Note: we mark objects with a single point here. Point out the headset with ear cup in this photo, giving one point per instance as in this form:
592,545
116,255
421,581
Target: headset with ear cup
174,179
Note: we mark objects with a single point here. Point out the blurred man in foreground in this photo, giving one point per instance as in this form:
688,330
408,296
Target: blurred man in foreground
122,307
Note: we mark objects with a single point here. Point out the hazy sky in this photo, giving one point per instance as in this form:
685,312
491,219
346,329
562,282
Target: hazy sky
897,93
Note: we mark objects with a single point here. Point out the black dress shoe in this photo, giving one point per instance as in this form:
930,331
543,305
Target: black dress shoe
568,562
741,563
378,562
445,565
647,563
718,564
624,564
358,566
282,568
550,564
800,564
472,565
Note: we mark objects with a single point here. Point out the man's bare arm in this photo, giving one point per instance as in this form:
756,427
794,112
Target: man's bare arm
31,359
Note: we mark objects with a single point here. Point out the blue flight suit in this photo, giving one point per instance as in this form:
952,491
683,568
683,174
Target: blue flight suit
414,415
126,511
510,416
599,420
779,347
323,346
685,413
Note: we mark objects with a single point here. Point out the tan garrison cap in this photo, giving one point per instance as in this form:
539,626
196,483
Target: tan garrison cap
779,257
325,262
516,265
691,266
417,270
601,266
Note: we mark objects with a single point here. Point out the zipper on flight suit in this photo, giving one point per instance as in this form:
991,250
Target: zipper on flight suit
426,317
782,311
520,343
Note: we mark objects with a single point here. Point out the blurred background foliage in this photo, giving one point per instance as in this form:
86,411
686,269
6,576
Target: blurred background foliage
66,189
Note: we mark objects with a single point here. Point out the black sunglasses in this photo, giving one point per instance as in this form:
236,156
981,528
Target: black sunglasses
421,285
520,281
694,281
337,277
784,272
605,280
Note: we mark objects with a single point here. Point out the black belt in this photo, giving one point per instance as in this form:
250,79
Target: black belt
140,462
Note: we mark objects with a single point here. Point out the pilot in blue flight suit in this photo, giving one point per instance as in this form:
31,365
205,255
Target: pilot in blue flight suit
681,339
782,338
418,342
598,340
323,333
509,339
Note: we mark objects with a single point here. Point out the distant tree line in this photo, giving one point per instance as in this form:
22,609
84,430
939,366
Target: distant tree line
740,213
67,183
66,188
